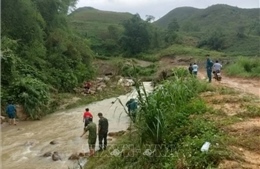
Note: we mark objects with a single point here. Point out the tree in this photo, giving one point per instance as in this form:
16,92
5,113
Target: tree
215,40
135,37
39,52
149,18
173,26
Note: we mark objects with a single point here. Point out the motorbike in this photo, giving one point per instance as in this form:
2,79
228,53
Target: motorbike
217,75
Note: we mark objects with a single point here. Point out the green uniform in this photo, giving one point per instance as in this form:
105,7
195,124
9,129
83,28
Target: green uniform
209,66
92,128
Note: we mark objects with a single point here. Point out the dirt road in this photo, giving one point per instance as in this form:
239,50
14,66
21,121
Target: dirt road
250,86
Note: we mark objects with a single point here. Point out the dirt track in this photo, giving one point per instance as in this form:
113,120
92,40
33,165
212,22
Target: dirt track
251,86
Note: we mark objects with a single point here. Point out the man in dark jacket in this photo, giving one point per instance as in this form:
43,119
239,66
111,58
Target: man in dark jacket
102,131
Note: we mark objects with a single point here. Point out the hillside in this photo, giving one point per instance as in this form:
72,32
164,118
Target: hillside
239,28
93,22
214,16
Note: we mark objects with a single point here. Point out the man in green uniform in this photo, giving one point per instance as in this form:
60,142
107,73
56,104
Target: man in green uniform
209,66
102,131
92,137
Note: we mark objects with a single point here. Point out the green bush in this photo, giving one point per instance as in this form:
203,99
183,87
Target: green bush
33,95
171,117
133,71
245,67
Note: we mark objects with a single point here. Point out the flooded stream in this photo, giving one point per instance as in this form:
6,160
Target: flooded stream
23,145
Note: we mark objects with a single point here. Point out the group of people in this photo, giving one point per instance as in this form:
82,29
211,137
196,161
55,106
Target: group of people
210,67
93,130
193,69
102,130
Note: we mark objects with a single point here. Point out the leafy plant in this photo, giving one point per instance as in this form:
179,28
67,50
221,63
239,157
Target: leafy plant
33,95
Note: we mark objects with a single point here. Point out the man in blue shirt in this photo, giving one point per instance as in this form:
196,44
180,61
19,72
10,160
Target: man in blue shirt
11,112
132,108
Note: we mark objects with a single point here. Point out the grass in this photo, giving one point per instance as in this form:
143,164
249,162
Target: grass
174,122
244,67
182,50
170,126
93,22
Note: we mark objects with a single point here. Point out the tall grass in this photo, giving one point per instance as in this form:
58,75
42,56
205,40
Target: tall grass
245,67
171,127
181,50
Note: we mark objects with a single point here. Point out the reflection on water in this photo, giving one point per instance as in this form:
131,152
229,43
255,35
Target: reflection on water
23,145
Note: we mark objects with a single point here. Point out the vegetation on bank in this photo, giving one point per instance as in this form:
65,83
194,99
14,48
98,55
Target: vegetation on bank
40,55
244,67
171,127
174,122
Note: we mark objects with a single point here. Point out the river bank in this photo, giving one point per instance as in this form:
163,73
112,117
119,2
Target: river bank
23,145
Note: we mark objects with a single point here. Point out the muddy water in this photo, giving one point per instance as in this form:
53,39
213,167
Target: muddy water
23,145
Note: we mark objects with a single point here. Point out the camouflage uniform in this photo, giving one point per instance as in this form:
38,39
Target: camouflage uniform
92,128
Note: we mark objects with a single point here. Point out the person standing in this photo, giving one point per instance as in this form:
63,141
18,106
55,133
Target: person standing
86,117
132,107
195,68
92,137
209,66
102,131
11,112
87,86
190,69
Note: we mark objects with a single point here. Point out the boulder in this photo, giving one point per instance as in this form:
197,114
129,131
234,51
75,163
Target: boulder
74,156
82,154
108,74
125,82
20,112
115,134
47,154
53,142
55,156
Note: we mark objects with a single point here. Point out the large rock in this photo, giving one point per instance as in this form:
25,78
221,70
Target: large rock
47,154
115,134
55,156
125,82
20,112
53,142
74,156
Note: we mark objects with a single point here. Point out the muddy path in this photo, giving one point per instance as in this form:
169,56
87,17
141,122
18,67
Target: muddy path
243,85
249,86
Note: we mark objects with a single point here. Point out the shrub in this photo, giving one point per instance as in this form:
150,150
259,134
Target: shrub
32,94
245,67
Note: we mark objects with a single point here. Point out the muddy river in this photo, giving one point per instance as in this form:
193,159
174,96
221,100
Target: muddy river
22,146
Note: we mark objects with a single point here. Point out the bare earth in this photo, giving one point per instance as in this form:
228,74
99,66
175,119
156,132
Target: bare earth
247,131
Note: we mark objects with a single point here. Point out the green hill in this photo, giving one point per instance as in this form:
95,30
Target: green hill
239,28
214,16
93,22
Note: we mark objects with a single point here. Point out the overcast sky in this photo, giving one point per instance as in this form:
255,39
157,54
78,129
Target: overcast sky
159,8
